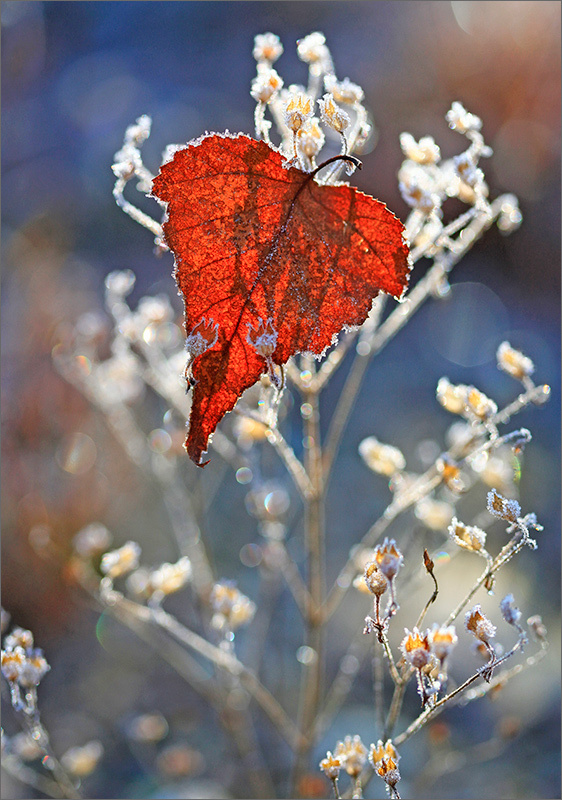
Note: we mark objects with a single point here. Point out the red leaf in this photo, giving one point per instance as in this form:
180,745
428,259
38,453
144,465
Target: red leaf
269,262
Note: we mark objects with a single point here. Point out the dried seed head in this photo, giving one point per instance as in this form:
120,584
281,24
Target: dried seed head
382,458
389,558
442,640
343,91
298,110
331,765
461,120
374,579
423,152
514,362
452,398
119,562
231,607
415,648
266,84
332,115
499,506
479,404
267,47
380,751
310,139
450,472
312,48
353,754
469,537
479,625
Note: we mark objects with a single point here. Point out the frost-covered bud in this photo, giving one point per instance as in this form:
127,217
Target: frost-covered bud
264,338
19,637
353,754
82,761
435,514
514,362
469,537
231,607
374,579
12,663
442,640
423,152
265,84
331,766
382,458
92,540
510,217
332,114
120,562
479,625
34,668
479,404
380,751
298,111
313,48
418,196
267,47
450,472
452,398
120,282
389,558
467,170
343,91
461,120
510,612
169,578
415,648
499,506
310,139
139,132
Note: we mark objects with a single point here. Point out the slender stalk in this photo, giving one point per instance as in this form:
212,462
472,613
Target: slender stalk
311,687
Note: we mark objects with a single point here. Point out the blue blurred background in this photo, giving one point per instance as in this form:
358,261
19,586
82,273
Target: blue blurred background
74,75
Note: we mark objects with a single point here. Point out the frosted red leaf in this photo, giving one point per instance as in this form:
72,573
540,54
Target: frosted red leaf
269,263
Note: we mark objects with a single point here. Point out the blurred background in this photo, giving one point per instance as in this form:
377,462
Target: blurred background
74,75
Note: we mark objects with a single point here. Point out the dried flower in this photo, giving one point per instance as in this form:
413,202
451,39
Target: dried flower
380,751
119,562
452,398
266,84
374,579
382,458
332,115
470,537
313,48
343,91
514,362
353,755
267,47
461,120
232,608
389,558
423,152
442,640
416,649
310,140
331,766
479,625
499,506
298,111
481,406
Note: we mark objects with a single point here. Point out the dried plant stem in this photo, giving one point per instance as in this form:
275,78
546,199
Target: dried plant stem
221,658
312,679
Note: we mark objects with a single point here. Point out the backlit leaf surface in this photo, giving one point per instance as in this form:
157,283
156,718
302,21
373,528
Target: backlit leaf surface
269,263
